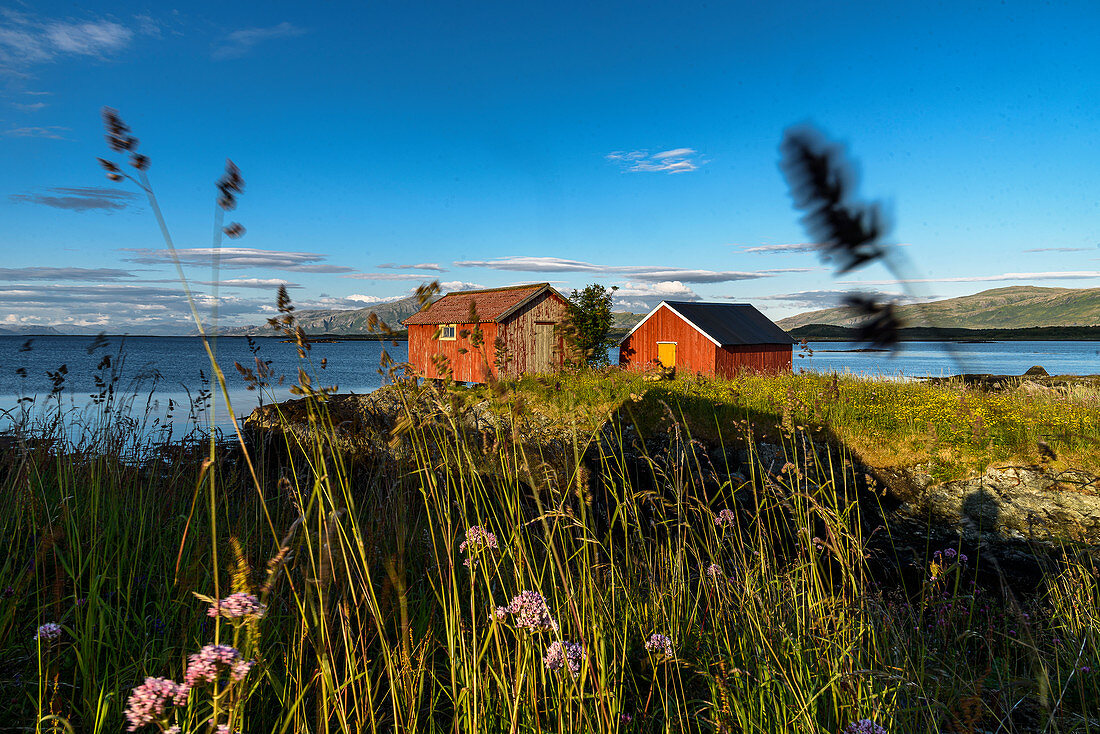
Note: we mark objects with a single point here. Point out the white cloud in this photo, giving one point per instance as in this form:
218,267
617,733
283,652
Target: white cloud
418,266
450,286
1060,249
79,198
781,249
53,132
262,283
1054,275
636,272
26,40
239,43
360,298
239,257
55,273
29,106
89,39
388,276
676,160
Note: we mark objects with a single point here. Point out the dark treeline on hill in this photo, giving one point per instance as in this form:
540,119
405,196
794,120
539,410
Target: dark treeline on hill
828,332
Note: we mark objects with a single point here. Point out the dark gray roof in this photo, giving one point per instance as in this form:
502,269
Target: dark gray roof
731,323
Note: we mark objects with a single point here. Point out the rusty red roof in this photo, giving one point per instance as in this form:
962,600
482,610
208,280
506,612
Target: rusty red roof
493,304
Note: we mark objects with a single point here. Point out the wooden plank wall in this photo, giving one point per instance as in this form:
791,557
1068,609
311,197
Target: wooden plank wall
694,352
757,357
468,367
518,334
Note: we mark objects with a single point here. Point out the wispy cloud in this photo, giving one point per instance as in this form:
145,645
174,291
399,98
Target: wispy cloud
450,286
780,249
30,106
642,297
118,307
240,43
240,257
26,40
636,272
418,266
676,160
261,283
388,276
79,198
368,300
1054,275
53,132
52,273
1061,249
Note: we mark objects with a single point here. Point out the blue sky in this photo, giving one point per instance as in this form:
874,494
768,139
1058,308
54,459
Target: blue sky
631,144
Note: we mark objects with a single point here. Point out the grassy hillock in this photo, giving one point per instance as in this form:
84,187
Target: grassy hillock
950,427
1014,307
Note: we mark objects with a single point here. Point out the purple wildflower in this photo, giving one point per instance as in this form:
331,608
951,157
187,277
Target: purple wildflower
863,726
206,665
714,571
477,540
236,606
725,519
148,701
561,653
531,612
659,644
48,632
626,718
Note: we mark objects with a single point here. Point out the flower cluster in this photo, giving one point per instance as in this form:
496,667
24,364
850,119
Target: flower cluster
950,555
477,539
237,606
148,701
660,644
725,519
560,654
48,632
863,726
531,612
206,665
714,571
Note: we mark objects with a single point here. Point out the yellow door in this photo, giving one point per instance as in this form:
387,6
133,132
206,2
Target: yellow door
666,354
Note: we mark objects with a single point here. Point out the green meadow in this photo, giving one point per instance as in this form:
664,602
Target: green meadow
606,577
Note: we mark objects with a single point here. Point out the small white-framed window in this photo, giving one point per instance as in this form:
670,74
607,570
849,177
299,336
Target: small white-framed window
447,332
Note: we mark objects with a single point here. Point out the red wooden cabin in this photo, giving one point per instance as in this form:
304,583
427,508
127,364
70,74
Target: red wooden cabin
503,332
707,339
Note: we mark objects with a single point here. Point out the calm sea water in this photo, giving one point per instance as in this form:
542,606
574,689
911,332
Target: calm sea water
166,376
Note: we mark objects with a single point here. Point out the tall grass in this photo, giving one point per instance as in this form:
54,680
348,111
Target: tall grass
374,622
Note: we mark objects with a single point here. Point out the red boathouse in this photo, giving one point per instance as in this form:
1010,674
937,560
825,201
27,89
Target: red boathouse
707,339
502,332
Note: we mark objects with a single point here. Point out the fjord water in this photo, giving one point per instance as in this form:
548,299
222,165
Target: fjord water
159,372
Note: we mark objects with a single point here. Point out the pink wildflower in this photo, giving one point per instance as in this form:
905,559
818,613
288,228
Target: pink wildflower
714,571
560,654
659,644
725,519
477,540
531,612
863,726
236,606
148,701
206,665
48,632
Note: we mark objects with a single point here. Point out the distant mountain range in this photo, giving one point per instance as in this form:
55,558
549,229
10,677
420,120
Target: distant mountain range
30,331
354,322
345,323
1015,307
